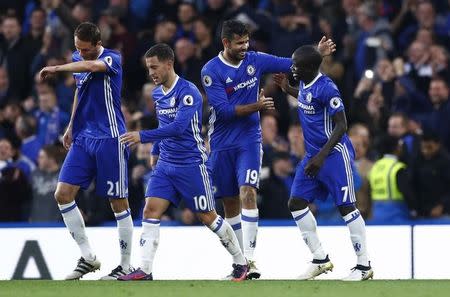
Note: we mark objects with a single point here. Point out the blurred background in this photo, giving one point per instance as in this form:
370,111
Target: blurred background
391,66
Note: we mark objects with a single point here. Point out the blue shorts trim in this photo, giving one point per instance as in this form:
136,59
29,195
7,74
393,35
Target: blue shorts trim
334,179
104,160
192,184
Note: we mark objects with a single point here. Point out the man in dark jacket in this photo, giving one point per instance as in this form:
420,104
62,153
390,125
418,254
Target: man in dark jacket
431,178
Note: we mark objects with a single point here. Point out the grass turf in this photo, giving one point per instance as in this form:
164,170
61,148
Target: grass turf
260,288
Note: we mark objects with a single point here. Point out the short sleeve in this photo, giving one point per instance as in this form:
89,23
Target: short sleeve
112,62
332,99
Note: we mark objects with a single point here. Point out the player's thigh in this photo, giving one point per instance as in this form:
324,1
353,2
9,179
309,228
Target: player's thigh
79,167
112,169
248,165
193,184
160,185
304,187
221,165
337,175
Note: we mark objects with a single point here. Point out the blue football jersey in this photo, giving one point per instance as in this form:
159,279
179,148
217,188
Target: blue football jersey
179,113
228,85
98,113
318,102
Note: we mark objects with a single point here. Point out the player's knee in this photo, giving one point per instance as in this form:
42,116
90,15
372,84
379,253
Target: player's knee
297,204
63,196
346,209
151,211
248,197
119,205
207,218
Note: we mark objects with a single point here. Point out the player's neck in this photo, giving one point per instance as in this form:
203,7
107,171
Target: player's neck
229,59
310,78
170,81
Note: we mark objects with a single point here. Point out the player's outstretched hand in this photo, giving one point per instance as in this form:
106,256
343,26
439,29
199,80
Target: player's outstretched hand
46,72
130,138
67,138
281,80
266,103
326,46
314,165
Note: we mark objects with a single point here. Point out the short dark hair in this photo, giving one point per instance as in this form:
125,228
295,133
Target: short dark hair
162,51
88,32
430,135
310,56
231,27
55,152
389,144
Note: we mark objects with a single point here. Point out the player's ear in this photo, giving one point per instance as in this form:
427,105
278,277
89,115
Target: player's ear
226,42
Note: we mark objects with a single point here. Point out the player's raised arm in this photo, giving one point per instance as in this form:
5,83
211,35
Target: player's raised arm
282,81
80,66
86,58
326,46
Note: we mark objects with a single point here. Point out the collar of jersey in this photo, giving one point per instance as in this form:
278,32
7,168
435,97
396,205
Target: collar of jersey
171,87
313,81
227,63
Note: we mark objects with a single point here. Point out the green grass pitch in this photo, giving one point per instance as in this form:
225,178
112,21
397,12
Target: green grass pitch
260,288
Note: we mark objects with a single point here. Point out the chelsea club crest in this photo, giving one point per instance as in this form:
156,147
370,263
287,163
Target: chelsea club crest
250,69
172,102
308,97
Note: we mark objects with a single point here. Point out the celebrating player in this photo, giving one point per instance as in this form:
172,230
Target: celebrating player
231,82
92,138
327,166
180,173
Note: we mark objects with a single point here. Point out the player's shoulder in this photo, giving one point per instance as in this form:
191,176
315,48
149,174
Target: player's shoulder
185,86
211,65
157,93
111,53
325,80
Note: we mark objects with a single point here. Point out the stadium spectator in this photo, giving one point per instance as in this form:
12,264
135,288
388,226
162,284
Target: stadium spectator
438,120
275,190
374,40
188,65
390,188
359,136
25,128
51,120
15,56
431,178
44,181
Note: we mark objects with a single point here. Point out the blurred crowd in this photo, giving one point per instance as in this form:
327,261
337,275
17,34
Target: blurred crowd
391,65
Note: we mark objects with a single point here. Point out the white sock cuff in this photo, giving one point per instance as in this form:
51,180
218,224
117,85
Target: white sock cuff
63,208
235,222
217,224
351,216
150,222
250,215
122,215
300,214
